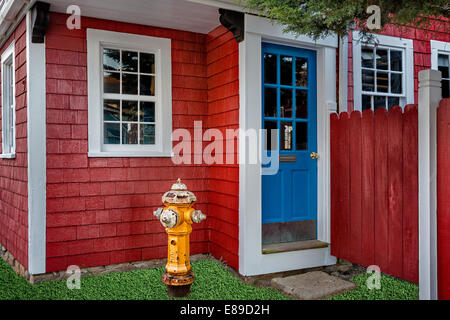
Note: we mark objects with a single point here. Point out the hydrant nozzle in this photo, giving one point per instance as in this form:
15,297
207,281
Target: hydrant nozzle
177,217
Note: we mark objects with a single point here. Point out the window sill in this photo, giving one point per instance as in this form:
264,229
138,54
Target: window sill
8,156
129,154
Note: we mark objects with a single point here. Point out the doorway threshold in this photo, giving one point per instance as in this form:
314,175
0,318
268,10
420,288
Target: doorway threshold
293,246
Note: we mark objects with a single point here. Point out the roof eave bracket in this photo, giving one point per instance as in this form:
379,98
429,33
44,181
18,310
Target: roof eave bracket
40,16
233,21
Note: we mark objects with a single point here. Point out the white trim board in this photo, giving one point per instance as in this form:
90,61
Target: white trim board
37,161
251,259
406,45
429,98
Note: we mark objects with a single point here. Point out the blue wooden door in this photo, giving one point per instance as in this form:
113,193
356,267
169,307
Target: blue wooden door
289,104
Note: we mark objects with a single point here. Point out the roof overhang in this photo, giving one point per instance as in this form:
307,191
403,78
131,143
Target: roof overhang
11,13
183,15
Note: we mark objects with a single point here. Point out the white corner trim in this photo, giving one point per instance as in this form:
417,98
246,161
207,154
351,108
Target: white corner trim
436,48
429,98
37,161
384,42
251,259
343,73
161,47
9,52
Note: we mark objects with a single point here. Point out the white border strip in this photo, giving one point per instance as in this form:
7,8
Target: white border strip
429,98
37,161
251,259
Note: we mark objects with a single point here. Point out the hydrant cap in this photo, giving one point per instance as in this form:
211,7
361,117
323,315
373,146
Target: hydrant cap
179,194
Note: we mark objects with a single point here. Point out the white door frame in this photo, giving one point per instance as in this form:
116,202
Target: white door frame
251,259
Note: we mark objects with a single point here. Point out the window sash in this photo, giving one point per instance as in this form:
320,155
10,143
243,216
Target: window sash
8,106
128,97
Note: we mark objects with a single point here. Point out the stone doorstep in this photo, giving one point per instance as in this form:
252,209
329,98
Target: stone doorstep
313,285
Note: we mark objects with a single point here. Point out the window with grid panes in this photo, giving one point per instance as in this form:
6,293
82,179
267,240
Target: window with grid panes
382,77
443,66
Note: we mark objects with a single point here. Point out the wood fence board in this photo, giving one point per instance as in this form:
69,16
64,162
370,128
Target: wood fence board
410,194
395,181
368,189
355,186
334,181
381,189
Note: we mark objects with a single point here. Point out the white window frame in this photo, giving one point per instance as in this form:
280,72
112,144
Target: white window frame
8,56
438,47
161,47
384,42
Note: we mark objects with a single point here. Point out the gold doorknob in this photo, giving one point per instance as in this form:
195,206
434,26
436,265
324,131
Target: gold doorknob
314,155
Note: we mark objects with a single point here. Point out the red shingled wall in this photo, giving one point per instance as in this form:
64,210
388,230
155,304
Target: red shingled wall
14,172
100,210
223,109
439,30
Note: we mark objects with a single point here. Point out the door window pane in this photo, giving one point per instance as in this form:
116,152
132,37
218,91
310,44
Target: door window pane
270,102
270,144
301,136
301,72
286,70
286,135
285,103
270,68
301,102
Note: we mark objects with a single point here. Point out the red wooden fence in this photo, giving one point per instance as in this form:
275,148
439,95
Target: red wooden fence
374,189
443,198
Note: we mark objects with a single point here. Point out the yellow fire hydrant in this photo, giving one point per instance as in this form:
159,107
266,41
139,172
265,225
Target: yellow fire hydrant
177,216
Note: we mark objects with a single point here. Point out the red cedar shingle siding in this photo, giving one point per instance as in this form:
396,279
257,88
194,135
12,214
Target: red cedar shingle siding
439,30
13,172
100,210
223,113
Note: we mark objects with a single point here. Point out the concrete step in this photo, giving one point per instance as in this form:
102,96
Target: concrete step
312,285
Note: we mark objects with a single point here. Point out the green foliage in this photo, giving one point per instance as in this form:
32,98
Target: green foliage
320,18
212,282
391,289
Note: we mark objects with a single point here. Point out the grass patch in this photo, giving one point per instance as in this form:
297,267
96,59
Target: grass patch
212,282
391,289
